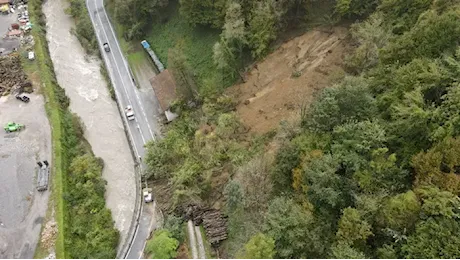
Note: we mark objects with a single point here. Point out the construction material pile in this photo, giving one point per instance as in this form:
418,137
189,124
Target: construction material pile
214,222
12,76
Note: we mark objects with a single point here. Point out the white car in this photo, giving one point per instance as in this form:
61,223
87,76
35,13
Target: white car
147,193
129,113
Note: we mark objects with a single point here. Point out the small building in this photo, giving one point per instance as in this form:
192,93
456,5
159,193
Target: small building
14,33
4,6
164,86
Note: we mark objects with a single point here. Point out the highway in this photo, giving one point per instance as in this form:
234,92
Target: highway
140,130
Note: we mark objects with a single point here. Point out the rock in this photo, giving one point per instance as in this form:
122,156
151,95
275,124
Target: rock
246,102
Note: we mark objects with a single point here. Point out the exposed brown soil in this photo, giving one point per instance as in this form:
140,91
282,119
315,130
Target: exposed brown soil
182,252
276,88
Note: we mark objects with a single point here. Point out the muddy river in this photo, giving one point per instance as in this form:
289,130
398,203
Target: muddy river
80,77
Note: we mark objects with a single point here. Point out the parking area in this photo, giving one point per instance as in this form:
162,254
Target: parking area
7,44
22,207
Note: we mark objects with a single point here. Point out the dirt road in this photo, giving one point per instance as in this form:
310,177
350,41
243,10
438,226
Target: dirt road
22,208
91,101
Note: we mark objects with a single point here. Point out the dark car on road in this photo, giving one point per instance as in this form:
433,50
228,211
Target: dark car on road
106,47
23,98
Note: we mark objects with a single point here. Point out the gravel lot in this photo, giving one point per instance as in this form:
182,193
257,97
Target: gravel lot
5,21
22,208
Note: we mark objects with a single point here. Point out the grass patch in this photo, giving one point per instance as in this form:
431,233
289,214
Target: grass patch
136,58
195,42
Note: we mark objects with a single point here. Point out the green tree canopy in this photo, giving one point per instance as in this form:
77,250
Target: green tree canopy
259,246
352,229
434,238
293,229
162,245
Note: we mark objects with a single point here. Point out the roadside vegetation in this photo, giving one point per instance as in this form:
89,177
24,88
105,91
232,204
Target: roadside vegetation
370,170
83,26
86,228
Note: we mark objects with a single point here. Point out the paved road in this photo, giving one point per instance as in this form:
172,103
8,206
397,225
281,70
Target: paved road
144,127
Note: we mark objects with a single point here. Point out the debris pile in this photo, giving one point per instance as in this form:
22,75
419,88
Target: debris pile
49,234
12,76
214,222
28,42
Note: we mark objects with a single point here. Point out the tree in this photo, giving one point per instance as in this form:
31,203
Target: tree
294,230
136,15
225,59
387,252
162,245
439,203
287,158
432,35
355,7
371,35
353,142
175,226
439,166
401,212
204,12
382,174
352,229
434,238
234,30
256,183
350,100
345,251
228,52
403,14
327,190
410,125
178,65
234,195
259,246
262,29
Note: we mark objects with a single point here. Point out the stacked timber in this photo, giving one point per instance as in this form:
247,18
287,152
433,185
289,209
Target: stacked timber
215,225
214,222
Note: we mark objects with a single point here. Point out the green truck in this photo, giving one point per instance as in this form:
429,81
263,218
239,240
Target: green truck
13,127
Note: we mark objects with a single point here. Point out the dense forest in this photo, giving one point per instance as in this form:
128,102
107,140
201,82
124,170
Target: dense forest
372,168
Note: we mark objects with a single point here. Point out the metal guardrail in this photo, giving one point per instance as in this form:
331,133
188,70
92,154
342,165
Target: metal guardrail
125,245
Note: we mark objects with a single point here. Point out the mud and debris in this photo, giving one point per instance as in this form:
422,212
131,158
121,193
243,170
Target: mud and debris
49,235
276,88
12,76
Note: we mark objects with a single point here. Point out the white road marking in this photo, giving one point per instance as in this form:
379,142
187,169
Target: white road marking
127,69
112,76
140,130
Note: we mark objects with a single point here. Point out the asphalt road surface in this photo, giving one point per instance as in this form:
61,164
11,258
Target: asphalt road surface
140,130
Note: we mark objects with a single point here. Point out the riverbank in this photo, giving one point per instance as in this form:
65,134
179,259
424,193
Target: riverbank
68,146
79,74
